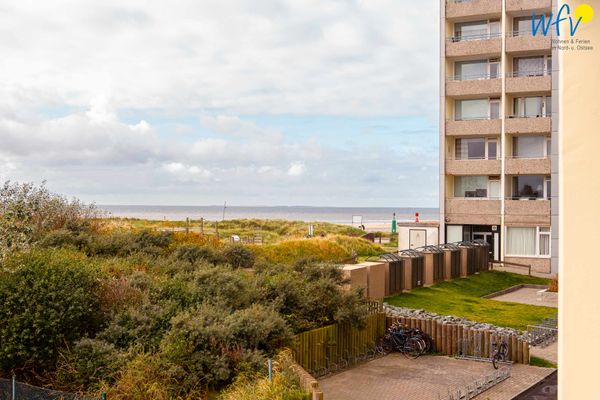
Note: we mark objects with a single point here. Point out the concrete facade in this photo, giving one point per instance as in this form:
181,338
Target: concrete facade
488,217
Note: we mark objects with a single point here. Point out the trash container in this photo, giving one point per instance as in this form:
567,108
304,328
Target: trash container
394,273
433,261
451,261
413,268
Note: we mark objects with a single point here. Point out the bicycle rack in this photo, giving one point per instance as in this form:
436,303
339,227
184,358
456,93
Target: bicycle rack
477,386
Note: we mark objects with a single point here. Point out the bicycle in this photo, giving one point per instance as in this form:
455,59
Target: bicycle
499,353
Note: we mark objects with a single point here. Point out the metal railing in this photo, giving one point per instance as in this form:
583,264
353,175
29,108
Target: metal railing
544,333
529,73
452,158
526,32
474,36
542,115
473,77
484,118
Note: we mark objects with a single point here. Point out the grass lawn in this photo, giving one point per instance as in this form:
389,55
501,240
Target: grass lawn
462,297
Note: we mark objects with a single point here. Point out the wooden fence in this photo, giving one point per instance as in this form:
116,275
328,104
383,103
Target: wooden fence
319,348
457,339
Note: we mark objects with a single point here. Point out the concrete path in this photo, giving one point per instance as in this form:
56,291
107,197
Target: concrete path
395,377
527,296
549,353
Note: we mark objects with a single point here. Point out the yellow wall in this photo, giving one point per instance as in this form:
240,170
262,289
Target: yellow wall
579,215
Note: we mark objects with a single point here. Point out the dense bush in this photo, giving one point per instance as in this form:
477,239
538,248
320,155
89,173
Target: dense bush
126,243
66,238
49,299
87,365
308,295
28,213
193,254
238,256
284,386
209,344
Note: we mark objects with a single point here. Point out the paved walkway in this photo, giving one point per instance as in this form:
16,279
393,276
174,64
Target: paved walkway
549,353
395,377
527,296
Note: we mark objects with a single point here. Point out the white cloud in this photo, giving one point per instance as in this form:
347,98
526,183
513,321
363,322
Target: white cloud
373,57
296,169
85,85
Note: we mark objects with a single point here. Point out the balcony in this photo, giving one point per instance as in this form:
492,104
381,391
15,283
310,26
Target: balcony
527,211
473,211
517,83
516,6
474,127
525,42
517,125
473,167
469,8
527,166
471,87
486,45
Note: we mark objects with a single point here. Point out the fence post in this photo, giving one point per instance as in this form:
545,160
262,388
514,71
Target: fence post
270,370
14,387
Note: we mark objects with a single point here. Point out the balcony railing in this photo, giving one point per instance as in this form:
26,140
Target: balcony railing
454,158
484,35
542,115
488,118
472,77
527,32
529,73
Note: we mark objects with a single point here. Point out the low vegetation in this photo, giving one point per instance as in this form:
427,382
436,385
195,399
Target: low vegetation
463,297
141,314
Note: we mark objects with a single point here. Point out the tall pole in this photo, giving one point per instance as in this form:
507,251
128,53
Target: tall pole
224,207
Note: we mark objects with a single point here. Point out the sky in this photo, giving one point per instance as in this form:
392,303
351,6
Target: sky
257,102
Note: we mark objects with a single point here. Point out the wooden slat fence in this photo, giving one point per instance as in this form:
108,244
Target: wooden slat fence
450,339
319,348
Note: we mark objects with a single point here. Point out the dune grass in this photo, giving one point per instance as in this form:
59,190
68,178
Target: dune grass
462,297
272,231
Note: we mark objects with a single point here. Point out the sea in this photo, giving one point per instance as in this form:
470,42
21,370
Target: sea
339,215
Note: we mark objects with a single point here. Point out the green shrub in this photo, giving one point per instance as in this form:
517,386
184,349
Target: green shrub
209,344
255,386
28,213
66,238
88,364
142,326
238,256
310,295
49,300
193,254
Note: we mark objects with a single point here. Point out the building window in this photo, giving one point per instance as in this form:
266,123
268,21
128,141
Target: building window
522,26
530,146
534,106
470,186
528,241
478,69
532,66
476,30
530,187
465,110
476,149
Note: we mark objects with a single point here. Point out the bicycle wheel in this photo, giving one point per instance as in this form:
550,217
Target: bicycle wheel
412,348
495,360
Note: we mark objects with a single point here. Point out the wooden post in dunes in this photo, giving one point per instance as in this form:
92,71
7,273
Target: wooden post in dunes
202,226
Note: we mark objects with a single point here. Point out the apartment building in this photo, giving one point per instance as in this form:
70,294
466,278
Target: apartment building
498,130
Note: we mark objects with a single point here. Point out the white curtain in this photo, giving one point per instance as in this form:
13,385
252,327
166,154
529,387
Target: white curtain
520,241
544,244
